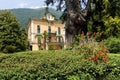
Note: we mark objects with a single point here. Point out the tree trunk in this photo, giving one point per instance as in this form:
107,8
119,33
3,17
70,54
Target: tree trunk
76,19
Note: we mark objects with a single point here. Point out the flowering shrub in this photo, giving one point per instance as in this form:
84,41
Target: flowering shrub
90,48
95,54
99,55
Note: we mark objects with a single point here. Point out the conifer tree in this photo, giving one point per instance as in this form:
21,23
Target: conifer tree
12,38
89,15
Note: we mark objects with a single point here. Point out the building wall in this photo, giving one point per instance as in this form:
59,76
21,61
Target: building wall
44,27
32,30
35,47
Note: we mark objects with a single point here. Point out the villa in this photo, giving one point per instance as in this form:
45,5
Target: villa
46,32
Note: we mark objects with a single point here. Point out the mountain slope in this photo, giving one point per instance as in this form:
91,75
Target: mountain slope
24,14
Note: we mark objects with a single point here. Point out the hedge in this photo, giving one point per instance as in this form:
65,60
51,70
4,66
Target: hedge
54,65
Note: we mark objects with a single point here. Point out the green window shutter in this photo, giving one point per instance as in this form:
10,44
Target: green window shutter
59,30
49,29
38,28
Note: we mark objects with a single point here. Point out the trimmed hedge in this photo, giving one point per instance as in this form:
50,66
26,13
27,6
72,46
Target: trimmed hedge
54,65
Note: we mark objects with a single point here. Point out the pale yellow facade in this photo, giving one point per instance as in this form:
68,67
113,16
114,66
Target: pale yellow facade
55,33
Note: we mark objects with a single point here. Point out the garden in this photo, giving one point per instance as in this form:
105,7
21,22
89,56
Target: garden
90,60
93,53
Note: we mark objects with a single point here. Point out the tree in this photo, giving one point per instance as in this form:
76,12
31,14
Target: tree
40,38
105,18
12,38
76,16
45,35
92,15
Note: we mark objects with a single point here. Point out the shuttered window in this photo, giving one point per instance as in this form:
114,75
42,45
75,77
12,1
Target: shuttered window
49,29
38,28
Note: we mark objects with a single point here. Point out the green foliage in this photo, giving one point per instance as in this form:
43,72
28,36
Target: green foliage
51,47
113,44
115,58
112,26
105,18
12,38
55,65
99,66
9,49
90,48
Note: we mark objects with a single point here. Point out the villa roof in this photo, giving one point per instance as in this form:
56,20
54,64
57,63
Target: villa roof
53,12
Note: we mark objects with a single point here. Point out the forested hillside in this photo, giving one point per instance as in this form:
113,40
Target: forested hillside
24,14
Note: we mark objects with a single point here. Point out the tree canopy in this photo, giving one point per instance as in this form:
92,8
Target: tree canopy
12,38
76,16
89,15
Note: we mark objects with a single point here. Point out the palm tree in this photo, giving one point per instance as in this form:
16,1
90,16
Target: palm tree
45,34
39,37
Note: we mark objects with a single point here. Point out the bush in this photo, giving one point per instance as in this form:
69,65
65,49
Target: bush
97,66
87,59
9,49
90,47
113,45
55,65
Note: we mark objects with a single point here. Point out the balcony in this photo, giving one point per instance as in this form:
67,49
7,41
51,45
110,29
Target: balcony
38,34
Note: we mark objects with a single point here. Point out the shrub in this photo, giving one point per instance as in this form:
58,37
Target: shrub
90,48
113,44
9,49
97,65
55,65
51,47
87,60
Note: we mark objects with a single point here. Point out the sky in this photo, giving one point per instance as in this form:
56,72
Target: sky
11,4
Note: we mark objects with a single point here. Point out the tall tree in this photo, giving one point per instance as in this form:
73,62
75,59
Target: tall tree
93,15
12,38
105,18
76,16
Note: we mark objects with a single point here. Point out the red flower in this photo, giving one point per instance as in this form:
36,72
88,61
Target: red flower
88,33
100,50
94,53
94,33
100,33
104,57
105,53
96,57
96,60
90,58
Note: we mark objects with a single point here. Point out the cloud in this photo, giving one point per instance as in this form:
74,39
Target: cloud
35,7
44,6
22,5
